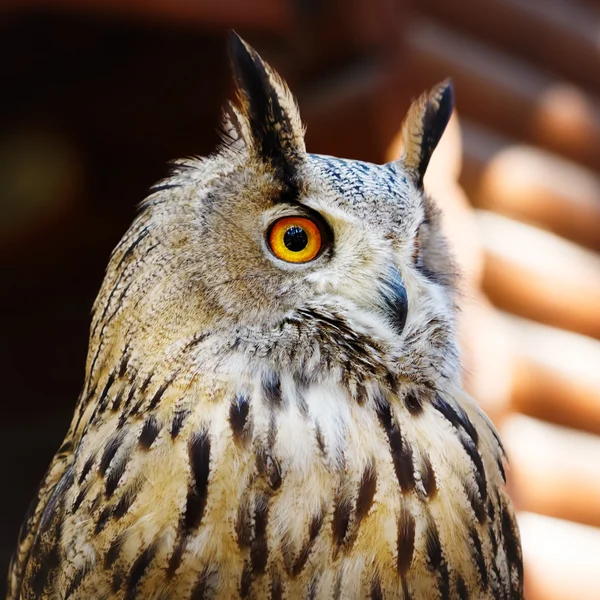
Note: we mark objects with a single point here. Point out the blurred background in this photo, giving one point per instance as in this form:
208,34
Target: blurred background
98,95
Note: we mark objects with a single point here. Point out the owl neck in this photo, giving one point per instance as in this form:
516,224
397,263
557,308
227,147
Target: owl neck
312,346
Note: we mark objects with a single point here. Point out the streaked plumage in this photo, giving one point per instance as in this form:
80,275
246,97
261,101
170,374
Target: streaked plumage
260,429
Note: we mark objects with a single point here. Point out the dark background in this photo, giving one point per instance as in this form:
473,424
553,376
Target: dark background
96,97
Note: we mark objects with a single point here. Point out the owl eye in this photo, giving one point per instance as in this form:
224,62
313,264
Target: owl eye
295,239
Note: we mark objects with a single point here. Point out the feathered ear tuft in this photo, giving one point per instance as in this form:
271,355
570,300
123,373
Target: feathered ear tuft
234,129
268,117
423,128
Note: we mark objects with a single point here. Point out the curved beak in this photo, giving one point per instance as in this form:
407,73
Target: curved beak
394,300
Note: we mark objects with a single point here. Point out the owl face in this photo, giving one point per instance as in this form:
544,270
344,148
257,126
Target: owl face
350,231
264,232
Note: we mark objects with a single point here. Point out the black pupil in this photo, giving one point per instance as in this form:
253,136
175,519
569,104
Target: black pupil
295,239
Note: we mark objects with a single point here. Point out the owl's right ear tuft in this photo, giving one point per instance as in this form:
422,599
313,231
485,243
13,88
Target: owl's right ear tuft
423,128
267,117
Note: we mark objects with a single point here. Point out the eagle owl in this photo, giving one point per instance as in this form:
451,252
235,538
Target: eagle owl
272,405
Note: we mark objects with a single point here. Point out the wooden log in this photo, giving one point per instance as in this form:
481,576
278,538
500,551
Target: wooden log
540,276
506,94
556,374
554,470
486,356
480,146
561,559
532,185
560,37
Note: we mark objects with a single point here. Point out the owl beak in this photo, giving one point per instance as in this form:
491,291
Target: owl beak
394,300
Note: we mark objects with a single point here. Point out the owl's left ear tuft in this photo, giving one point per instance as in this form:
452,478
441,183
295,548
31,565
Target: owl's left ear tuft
270,121
423,128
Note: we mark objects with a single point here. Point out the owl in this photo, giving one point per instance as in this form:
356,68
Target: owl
272,406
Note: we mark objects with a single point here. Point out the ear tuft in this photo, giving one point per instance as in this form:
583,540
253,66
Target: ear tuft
423,128
234,129
271,122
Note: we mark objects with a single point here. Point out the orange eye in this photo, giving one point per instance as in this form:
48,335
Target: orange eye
295,239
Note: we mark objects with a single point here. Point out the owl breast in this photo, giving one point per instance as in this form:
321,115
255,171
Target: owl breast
280,488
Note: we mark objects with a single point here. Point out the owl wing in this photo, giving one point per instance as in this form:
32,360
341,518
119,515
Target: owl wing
40,516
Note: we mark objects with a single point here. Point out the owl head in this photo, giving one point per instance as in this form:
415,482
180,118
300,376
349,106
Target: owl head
290,252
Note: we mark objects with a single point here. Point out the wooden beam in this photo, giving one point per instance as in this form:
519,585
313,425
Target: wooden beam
557,36
540,276
505,94
555,374
561,558
547,479
532,185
